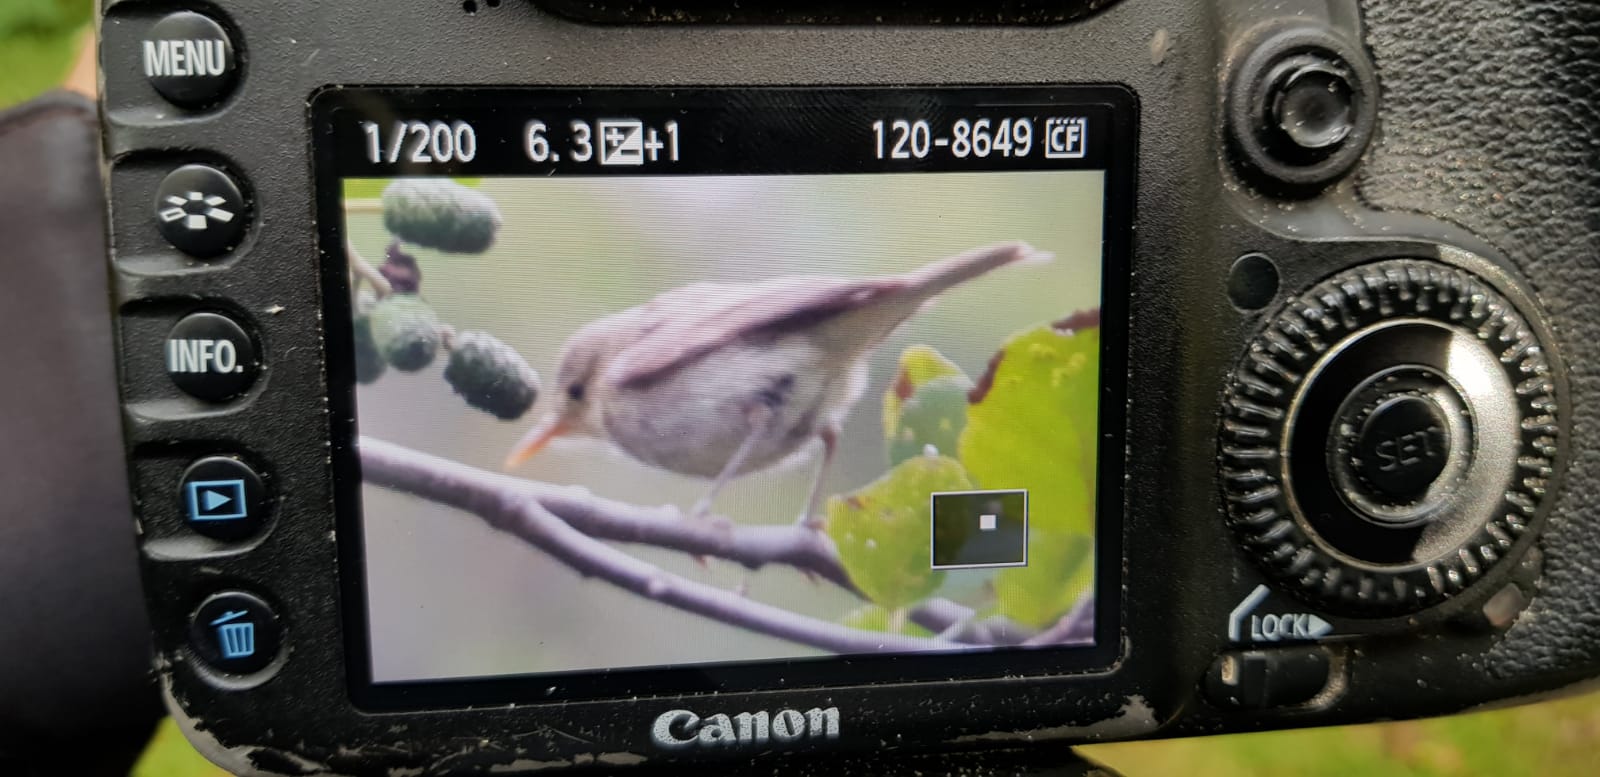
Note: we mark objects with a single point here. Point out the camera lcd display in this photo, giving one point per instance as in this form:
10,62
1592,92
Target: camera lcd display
645,401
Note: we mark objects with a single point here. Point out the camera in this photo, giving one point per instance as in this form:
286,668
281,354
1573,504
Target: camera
518,385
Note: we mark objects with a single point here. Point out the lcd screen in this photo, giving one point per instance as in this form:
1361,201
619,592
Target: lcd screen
640,383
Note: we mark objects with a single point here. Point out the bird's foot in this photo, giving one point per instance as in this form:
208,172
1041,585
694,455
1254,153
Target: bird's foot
718,523
810,521
701,509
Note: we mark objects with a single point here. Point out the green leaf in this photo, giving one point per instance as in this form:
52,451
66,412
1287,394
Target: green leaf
882,530
918,365
933,417
1033,425
871,617
364,188
372,188
1060,570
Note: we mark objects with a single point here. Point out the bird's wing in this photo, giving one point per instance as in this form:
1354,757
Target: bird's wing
692,320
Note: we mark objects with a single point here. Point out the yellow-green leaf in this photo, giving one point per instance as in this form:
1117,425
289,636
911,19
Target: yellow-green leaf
882,530
1033,425
1060,570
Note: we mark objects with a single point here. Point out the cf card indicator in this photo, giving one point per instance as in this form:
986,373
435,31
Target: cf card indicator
1064,138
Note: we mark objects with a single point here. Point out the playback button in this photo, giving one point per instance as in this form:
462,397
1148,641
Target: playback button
222,498
210,356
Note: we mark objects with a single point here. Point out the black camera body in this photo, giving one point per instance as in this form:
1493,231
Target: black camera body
1339,265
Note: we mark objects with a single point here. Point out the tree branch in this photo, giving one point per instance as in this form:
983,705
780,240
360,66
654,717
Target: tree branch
365,271
596,518
1074,628
519,508
607,519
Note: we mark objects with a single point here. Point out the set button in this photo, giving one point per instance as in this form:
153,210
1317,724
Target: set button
235,632
1403,447
1399,445
189,59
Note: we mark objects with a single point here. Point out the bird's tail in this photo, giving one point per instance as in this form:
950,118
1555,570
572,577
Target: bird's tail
881,304
931,279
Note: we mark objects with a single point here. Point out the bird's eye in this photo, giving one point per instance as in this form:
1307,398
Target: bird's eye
575,392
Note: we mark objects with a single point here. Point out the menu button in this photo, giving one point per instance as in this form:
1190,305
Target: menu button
185,57
189,59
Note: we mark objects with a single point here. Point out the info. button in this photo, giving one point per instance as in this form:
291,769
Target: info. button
211,357
975,529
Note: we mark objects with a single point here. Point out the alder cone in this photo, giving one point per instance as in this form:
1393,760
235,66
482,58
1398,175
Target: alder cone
369,361
405,331
441,214
491,376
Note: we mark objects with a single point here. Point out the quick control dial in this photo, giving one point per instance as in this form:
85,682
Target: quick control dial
1389,437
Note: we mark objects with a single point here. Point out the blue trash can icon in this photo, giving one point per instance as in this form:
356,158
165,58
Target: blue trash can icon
236,640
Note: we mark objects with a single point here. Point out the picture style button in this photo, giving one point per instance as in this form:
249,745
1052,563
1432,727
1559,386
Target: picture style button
977,529
235,632
200,211
210,357
189,59
222,498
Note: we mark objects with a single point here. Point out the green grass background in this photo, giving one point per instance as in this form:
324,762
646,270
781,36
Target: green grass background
38,39
1552,739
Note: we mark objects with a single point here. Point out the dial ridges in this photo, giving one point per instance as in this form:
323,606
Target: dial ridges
1256,409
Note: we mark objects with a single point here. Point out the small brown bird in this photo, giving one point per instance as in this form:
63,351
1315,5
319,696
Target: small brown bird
718,380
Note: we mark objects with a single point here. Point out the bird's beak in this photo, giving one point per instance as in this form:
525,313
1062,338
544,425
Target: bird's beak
536,439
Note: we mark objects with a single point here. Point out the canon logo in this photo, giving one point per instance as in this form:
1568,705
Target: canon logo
679,729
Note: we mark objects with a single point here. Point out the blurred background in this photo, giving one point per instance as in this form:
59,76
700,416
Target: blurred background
40,46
